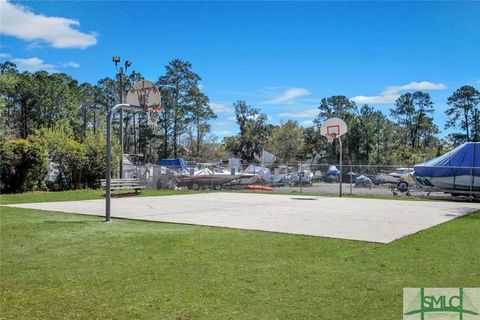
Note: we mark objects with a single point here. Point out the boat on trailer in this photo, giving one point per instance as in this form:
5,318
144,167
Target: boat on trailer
205,178
456,172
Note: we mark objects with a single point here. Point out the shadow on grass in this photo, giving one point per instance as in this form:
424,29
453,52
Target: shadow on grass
67,222
123,195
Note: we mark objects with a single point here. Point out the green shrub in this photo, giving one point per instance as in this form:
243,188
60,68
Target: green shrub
23,166
80,165
70,159
94,167
51,138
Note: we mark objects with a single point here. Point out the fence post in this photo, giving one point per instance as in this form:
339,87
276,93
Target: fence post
351,192
341,165
255,174
300,174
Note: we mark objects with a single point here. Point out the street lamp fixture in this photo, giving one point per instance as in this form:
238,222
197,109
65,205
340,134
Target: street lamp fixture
116,60
128,63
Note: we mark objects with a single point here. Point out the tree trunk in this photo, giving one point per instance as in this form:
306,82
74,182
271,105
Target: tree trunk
84,122
23,113
467,125
378,141
198,139
175,138
165,137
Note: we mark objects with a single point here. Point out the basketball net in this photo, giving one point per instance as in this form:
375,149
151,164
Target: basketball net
331,137
332,132
153,114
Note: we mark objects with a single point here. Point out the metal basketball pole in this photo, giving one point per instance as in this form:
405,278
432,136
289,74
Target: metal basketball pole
341,166
138,99
108,191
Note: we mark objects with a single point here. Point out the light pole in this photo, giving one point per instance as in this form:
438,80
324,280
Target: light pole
120,72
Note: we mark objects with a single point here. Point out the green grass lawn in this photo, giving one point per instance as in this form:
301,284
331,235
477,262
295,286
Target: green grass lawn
65,266
45,196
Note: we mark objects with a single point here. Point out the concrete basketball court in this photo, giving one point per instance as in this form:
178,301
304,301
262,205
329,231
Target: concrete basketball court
345,218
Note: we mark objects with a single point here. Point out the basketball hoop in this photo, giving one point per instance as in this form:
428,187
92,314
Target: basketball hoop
333,128
144,96
332,132
147,96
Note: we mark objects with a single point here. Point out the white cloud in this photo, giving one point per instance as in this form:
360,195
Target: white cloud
307,123
20,22
308,113
390,94
422,85
34,64
69,64
289,95
375,99
4,56
219,108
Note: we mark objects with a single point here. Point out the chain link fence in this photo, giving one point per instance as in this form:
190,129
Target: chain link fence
317,179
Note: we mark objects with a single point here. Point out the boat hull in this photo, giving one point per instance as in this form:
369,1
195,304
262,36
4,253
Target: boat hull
463,183
195,182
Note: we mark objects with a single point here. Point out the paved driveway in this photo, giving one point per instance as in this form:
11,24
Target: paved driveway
344,218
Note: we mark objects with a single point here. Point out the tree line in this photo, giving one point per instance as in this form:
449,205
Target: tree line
32,101
407,135
39,103
54,117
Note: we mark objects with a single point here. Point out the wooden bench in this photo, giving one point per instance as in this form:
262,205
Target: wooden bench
123,184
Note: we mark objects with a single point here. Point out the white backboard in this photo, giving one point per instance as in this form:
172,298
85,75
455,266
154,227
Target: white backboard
333,128
144,94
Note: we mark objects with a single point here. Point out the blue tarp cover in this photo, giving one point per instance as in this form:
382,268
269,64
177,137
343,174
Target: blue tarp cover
177,163
332,171
463,160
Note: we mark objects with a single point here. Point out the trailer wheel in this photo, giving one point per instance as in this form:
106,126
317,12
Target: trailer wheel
402,186
195,186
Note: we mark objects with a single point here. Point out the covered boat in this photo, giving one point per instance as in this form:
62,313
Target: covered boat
457,170
176,164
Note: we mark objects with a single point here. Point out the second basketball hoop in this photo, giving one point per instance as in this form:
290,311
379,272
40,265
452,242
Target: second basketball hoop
333,128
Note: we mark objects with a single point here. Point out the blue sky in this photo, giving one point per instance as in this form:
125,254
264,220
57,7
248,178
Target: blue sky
281,57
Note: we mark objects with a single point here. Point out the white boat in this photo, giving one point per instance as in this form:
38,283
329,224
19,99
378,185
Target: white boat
204,178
